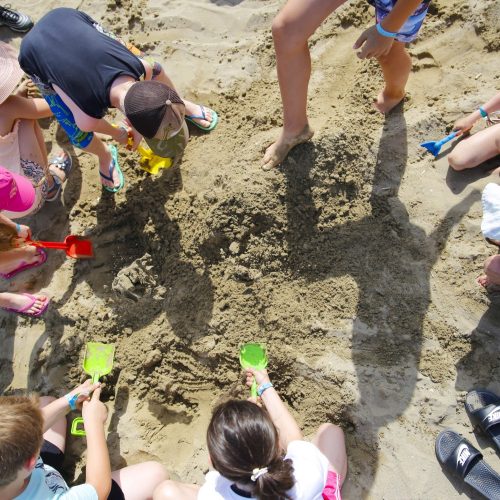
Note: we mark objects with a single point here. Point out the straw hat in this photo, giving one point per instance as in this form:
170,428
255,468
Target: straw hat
10,71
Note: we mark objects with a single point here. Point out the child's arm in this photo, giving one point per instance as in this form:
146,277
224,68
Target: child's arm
372,43
466,123
29,109
287,427
22,231
98,471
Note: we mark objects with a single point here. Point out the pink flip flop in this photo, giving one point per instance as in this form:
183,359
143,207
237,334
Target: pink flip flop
24,266
28,307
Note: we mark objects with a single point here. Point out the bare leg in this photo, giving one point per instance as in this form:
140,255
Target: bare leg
476,149
138,482
292,27
330,440
396,67
98,148
19,301
57,433
491,274
11,259
172,490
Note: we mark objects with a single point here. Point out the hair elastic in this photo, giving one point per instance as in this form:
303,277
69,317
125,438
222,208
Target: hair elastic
385,33
256,473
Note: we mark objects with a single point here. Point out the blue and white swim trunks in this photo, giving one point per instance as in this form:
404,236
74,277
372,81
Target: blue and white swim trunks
411,27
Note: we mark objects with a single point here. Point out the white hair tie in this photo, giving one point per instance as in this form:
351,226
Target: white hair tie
256,473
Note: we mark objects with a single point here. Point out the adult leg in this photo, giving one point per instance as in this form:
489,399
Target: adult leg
476,149
396,67
172,490
57,433
138,482
330,440
292,27
19,301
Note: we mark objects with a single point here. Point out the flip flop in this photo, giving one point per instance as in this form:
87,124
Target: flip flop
203,116
24,310
53,192
114,164
24,266
457,456
483,408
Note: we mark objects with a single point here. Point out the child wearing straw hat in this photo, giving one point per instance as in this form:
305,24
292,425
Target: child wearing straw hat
82,70
22,147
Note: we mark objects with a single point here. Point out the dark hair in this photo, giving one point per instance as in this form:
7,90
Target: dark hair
8,236
242,437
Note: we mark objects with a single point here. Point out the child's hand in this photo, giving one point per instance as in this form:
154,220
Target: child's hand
261,376
372,44
94,412
464,124
24,232
84,391
133,134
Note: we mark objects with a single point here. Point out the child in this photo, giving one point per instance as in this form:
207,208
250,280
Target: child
22,147
479,147
32,443
398,22
261,454
82,71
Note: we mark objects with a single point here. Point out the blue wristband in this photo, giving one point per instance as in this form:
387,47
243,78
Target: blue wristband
385,33
483,112
263,387
72,400
18,228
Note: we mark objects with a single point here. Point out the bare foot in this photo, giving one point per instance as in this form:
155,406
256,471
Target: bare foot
278,151
193,109
483,280
385,102
19,301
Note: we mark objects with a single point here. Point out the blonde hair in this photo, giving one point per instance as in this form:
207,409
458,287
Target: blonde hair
8,238
21,434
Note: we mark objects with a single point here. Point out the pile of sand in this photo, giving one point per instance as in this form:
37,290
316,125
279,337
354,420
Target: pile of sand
355,261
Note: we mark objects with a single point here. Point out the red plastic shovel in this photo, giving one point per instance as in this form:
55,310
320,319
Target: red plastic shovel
74,246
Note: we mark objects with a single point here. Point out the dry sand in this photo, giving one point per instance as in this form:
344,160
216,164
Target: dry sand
355,261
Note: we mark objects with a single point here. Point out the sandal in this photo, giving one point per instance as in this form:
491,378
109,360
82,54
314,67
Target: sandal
483,408
23,310
114,164
24,266
64,163
203,116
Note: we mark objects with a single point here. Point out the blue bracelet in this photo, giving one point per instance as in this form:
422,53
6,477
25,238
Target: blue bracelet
72,400
483,112
18,228
385,33
263,387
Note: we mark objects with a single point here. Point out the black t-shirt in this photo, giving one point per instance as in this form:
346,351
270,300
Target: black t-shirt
67,48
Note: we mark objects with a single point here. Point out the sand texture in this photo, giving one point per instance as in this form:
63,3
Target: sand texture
355,262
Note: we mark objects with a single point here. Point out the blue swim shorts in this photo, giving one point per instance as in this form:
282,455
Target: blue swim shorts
411,27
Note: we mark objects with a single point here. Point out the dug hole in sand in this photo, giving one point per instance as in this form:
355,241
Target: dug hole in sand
355,262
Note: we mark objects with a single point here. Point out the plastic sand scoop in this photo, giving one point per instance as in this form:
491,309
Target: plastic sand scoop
253,355
98,361
152,163
435,146
74,246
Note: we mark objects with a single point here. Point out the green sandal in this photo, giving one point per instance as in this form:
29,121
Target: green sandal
114,164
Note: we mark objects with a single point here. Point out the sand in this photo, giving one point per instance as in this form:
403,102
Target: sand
355,261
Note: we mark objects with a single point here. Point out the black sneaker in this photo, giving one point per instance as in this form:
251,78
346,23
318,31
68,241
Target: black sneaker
15,20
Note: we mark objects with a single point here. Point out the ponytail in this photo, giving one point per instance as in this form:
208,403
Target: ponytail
274,484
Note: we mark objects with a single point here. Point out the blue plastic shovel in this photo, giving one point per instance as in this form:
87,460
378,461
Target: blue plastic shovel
435,146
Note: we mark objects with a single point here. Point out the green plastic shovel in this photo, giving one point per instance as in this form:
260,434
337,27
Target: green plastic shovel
98,361
253,355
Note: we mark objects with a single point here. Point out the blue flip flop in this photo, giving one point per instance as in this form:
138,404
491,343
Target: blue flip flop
203,116
114,164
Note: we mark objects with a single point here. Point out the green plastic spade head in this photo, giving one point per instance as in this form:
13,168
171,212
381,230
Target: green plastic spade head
98,360
253,355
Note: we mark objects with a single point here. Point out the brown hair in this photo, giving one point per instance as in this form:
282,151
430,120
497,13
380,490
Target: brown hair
21,434
241,437
8,236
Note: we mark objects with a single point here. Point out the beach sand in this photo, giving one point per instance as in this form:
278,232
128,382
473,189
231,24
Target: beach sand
355,262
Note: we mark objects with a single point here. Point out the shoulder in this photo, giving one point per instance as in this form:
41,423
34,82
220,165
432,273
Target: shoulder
82,492
310,468
216,487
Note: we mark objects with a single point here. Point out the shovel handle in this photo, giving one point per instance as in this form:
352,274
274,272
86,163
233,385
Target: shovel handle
49,244
447,138
253,389
76,430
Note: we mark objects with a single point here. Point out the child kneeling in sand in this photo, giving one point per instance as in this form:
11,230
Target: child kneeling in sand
82,70
32,442
481,146
398,23
260,454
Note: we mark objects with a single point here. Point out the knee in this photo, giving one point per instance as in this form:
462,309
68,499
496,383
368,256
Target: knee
331,429
166,491
456,159
286,35
157,472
